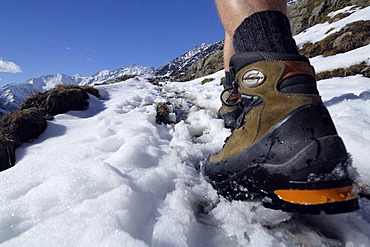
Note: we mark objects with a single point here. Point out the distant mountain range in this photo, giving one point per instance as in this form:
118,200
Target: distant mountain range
11,95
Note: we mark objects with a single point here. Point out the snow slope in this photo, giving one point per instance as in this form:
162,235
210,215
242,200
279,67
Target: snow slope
111,176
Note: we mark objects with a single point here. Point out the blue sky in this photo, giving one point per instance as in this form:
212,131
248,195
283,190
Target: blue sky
41,37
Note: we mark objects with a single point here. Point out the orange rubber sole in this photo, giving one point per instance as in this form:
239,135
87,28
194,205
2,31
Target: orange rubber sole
317,197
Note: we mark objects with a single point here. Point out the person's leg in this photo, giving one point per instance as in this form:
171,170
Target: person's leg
233,12
228,50
284,144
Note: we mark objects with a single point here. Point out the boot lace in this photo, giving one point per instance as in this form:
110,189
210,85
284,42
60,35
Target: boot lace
243,101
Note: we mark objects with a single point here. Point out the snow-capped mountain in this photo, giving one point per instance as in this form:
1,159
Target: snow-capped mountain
12,94
106,75
182,63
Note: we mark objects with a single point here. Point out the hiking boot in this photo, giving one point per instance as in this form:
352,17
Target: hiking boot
230,109
284,146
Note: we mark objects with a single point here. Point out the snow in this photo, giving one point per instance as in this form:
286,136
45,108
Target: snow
348,101
342,60
348,9
111,176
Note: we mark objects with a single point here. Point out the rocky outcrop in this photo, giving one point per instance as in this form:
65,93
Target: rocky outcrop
357,69
205,66
352,36
179,67
311,12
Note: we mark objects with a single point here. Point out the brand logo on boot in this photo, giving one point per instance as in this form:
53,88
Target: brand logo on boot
253,78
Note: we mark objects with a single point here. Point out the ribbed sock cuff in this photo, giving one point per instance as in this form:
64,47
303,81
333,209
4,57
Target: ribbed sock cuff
267,31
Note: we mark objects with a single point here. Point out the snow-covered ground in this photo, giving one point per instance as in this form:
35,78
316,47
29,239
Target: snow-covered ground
112,176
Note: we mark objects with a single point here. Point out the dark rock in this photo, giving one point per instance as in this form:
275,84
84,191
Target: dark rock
163,114
339,41
366,72
204,66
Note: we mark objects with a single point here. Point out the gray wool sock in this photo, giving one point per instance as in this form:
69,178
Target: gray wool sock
267,31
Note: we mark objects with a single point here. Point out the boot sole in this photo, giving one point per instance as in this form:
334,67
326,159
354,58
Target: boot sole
341,197
331,197
283,172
